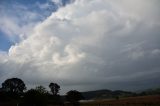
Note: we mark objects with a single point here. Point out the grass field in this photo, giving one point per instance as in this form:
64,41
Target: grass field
130,101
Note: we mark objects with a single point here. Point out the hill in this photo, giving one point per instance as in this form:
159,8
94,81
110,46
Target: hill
106,94
150,92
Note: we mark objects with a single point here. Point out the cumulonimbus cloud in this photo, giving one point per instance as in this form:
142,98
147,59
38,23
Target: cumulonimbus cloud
91,44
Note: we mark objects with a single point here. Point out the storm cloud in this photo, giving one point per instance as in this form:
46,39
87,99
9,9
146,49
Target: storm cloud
91,44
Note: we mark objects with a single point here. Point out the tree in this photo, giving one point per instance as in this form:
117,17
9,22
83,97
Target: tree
35,98
73,97
13,85
41,89
54,88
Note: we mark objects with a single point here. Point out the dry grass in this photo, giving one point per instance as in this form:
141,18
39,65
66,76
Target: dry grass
130,101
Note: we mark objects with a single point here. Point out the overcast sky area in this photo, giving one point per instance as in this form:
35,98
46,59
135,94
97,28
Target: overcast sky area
81,44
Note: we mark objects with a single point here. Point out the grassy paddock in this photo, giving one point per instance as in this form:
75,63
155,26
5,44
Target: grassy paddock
130,101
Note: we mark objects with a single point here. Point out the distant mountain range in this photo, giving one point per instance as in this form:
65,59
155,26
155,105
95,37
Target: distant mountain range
107,94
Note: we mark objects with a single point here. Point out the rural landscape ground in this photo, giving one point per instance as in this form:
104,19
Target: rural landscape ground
130,101
153,100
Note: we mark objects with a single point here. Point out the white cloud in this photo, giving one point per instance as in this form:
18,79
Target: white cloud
72,56
57,2
89,42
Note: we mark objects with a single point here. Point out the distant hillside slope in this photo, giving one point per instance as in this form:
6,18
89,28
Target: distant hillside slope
150,92
105,94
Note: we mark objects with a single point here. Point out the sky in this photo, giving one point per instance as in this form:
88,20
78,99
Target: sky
81,44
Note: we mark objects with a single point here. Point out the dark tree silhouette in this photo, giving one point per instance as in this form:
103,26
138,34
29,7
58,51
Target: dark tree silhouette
54,88
41,89
13,85
35,98
73,97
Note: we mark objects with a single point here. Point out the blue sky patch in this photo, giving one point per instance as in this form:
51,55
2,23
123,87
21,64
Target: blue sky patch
5,43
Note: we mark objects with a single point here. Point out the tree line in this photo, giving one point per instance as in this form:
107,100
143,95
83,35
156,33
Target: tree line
14,90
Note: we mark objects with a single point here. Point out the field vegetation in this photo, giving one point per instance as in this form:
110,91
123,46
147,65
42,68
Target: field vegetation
153,100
